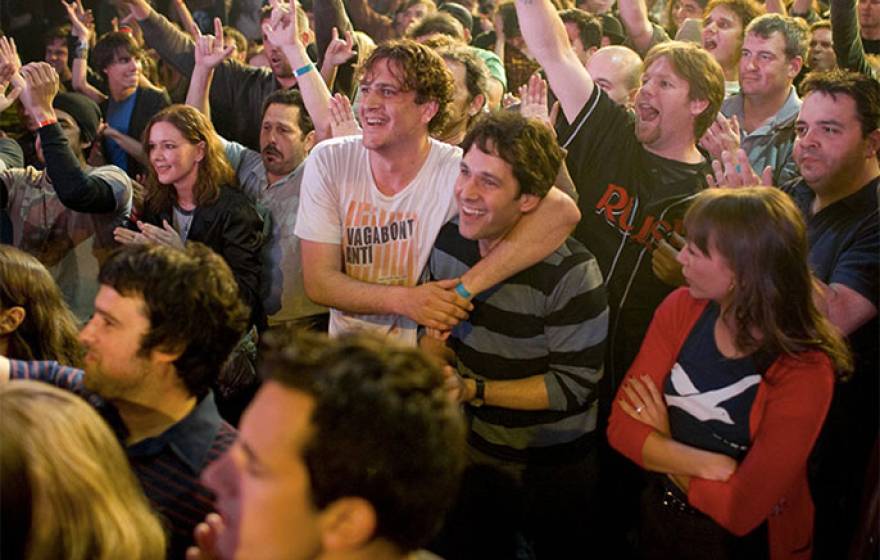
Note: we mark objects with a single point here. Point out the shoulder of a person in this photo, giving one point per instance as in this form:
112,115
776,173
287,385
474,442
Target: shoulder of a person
811,362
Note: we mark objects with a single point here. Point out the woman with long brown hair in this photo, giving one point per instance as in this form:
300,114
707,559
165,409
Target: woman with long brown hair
730,389
192,195
35,323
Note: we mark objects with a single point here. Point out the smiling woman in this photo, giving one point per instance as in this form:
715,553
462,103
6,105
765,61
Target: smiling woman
192,195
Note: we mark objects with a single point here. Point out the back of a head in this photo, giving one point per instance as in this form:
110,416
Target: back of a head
48,330
191,300
86,502
438,23
383,428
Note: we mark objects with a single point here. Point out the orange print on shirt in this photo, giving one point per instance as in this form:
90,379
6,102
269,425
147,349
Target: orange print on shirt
379,246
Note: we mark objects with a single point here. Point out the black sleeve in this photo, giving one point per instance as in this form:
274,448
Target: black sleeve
10,153
75,189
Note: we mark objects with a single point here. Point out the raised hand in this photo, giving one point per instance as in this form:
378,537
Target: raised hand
165,235
81,21
281,28
723,135
209,51
733,170
342,121
339,51
533,96
10,64
41,87
435,304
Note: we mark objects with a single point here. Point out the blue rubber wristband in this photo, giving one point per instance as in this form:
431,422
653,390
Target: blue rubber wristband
462,291
304,69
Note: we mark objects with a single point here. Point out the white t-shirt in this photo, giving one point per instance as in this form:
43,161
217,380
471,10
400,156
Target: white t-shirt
384,239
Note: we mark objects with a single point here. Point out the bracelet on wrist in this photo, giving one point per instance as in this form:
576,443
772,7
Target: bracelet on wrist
304,69
46,122
462,291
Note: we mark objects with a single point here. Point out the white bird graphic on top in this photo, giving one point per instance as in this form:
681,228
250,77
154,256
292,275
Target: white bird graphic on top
704,406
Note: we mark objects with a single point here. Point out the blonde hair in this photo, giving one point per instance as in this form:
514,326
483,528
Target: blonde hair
86,502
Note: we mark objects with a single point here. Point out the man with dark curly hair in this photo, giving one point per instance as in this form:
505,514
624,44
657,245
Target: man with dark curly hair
372,206
165,321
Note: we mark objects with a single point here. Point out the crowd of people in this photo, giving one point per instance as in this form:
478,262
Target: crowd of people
376,279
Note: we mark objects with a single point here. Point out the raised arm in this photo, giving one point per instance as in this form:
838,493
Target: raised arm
847,41
374,24
79,67
634,17
545,36
75,189
208,54
281,30
174,46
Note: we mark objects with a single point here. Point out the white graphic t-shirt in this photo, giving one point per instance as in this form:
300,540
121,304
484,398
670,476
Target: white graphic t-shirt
384,239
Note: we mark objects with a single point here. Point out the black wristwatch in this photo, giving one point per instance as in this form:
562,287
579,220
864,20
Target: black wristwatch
479,394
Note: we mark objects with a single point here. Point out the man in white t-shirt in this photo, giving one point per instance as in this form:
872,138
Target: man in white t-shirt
372,206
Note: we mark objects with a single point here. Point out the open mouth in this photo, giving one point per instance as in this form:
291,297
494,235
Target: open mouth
471,212
646,112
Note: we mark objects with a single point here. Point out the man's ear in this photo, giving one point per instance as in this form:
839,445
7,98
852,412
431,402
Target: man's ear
477,104
429,109
794,67
11,319
697,106
873,144
309,141
528,202
347,524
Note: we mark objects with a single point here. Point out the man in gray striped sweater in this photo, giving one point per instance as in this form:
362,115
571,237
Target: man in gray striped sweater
526,363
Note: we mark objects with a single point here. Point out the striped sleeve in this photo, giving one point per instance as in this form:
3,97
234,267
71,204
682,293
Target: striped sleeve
575,327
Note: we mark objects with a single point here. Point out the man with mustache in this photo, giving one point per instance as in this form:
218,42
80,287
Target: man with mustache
272,178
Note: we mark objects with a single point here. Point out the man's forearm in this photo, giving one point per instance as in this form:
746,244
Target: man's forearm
199,86
337,289
75,189
315,94
534,237
529,393
175,47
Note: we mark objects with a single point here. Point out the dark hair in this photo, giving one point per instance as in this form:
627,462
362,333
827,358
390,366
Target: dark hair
528,145
509,20
438,22
293,98
191,300
702,73
110,45
57,32
863,90
420,70
49,329
214,169
794,32
476,73
762,237
384,428
589,27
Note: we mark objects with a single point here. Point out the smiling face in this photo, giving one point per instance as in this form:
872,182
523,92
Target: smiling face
707,274
821,55
830,144
262,484
56,55
664,113
489,199
174,158
764,70
723,36
390,117
124,72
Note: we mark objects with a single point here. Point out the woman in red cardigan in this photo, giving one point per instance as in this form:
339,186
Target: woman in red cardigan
731,386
